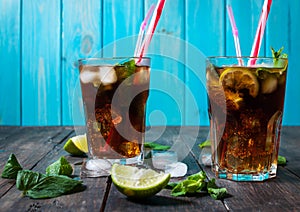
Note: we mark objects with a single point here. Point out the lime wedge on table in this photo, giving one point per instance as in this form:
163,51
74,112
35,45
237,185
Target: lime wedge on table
138,182
77,145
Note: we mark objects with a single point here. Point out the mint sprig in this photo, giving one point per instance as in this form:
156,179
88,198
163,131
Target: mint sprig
54,186
277,55
204,144
11,168
197,183
37,185
60,167
156,146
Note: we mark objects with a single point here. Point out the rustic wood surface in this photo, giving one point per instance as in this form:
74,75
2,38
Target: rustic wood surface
37,147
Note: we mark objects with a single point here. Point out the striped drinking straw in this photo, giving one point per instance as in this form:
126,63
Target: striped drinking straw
260,31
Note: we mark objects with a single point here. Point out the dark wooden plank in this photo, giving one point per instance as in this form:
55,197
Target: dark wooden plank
88,200
30,145
37,147
6,131
289,147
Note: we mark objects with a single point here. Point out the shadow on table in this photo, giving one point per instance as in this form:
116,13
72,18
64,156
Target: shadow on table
162,200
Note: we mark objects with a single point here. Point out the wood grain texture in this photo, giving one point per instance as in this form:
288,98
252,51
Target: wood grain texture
82,38
10,79
37,147
41,74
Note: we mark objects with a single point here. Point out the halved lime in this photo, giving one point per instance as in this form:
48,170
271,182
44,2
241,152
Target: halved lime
238,79
77,145
137,182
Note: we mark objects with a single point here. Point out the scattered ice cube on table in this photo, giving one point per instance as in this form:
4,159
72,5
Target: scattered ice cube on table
99,165
177,169
161,159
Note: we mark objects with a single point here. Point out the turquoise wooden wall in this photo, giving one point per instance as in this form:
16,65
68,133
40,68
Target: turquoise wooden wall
40,41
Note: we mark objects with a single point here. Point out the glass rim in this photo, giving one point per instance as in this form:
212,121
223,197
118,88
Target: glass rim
110,58
245,57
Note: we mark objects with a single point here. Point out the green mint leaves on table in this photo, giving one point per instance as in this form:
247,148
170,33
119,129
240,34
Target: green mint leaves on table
37,185
214,191
27,179
197,183
11,168
156,146
60,167
206,143
281,160
54,186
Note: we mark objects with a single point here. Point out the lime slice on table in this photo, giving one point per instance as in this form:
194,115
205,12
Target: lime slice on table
239,79
137,182
77,145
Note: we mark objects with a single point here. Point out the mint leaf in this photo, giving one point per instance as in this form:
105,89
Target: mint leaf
171,185
156,146
178,190
277,55
54,186
125,69
130,66
11,168
198,176
60,167
281,160
206,143
26,179
197,183
214,191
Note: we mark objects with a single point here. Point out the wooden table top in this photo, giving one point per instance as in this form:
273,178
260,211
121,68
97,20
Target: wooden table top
37,147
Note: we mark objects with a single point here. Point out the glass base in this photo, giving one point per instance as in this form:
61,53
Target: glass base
262,176
102,167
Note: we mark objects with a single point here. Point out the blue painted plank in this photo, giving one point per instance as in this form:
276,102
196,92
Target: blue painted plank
82,38
41,82
246,14
205,37
121,23
166,101
284,30
10,62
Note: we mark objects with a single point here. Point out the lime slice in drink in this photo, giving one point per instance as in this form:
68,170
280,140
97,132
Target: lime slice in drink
138,182
239,79
77,145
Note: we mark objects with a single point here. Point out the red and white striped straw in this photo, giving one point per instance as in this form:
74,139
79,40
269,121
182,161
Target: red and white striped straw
235,34
142,30
152,26
260,31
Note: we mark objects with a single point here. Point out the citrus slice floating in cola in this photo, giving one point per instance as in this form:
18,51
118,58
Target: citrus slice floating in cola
238,79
